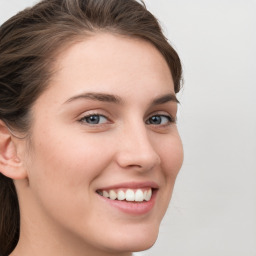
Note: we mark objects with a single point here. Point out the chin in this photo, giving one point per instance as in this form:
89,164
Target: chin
143,244
134,241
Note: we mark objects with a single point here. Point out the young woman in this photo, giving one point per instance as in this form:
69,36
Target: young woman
89,149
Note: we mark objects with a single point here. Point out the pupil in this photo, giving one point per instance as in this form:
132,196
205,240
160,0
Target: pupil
155,120
93,119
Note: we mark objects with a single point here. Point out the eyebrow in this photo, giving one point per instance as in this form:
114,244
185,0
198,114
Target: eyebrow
98,97
104,97
165,98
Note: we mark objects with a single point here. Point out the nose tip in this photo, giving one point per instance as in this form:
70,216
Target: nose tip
138,153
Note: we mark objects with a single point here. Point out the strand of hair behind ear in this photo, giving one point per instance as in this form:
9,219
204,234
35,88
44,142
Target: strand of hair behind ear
9,216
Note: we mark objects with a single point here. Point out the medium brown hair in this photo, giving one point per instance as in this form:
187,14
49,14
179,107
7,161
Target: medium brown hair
29,44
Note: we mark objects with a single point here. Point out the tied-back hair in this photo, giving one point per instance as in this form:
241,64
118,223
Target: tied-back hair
30,43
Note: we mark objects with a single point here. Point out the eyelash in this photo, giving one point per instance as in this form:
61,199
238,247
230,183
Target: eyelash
169,118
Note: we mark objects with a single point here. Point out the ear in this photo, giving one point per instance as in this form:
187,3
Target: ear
10,164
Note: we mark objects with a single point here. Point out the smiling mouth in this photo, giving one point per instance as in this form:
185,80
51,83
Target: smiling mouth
129,195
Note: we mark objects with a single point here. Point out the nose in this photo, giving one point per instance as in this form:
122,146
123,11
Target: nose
135,150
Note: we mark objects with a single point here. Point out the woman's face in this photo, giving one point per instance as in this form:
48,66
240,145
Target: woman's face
104,128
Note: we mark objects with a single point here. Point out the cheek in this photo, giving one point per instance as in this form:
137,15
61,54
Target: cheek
61,177
65,163
70,159
171,153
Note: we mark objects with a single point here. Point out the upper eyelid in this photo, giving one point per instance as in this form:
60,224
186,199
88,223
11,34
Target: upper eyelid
161,113
93,112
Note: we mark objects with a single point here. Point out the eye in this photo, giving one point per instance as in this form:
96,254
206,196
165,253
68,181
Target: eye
94,119
160,120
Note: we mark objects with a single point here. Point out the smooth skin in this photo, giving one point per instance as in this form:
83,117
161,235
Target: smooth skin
107,117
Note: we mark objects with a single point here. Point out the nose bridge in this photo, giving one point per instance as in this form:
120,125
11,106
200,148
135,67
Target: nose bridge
137,149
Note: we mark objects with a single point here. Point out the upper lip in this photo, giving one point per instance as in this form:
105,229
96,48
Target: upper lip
132,185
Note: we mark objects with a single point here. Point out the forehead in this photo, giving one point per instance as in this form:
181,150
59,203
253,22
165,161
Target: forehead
105,52
106,62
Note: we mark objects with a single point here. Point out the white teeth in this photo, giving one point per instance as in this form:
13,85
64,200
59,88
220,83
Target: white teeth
148,195
139,195
130,195
112,195
120,195
105,193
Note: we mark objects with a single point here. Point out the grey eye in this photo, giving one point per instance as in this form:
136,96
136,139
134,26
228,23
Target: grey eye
159,119
94,119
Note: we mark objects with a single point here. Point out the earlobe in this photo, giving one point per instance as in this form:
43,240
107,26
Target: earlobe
10,163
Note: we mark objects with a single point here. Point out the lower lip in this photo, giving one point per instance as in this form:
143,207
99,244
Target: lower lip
134,208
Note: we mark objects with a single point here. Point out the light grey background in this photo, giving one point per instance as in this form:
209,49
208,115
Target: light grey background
213,209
